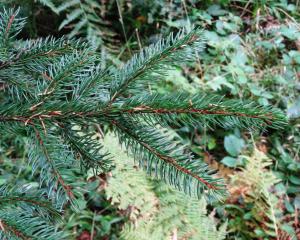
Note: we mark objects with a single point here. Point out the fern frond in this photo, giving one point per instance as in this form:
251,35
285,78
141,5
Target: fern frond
66,5
84,19
260,181
136,191
49,3
156,211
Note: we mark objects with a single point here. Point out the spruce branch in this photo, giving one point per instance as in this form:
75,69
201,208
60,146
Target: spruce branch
25,213
178,107
54,160
208,109
61,75
155,60
28,199
46,50
90,84
19,225
10,26
88,149
169,162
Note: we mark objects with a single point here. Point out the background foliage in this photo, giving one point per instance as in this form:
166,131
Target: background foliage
253,52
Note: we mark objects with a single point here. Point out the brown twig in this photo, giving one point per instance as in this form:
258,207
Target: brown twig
6,228
65,186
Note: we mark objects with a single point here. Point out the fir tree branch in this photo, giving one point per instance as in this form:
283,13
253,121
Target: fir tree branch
88,149
26,226
156,59
170,163
10,26
51,86
15,199
51,163
7,229
45,50
204,108
182,107
68,66
26,199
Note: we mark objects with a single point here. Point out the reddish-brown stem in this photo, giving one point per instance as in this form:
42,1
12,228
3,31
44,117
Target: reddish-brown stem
146,109
136,110
7,228
65,186
11,19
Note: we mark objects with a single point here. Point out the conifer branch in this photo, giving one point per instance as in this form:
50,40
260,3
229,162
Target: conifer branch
88,149
155,59
27,199
26,226
10,26
204,108
49,160
175,107
8,229
165,161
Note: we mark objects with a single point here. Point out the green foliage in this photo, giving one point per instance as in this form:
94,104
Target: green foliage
52,104
252,52
233,145
136,193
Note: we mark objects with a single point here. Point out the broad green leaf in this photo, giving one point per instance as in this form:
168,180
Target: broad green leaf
229,161
233,145
295,180
294,110
215,10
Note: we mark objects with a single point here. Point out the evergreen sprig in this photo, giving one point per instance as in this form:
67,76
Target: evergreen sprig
208,109
158,153
18,224
28,199
26,213
54,93
153,61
